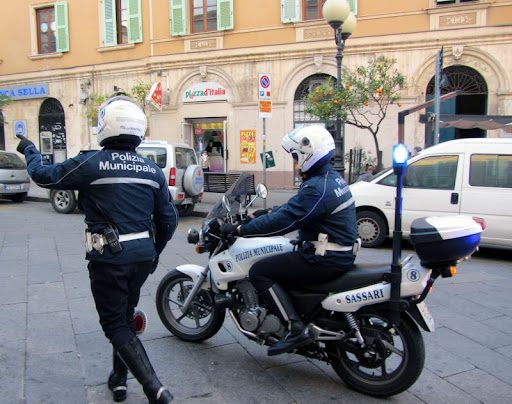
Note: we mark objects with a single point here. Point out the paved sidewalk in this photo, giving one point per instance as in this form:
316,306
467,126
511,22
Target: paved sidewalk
53,351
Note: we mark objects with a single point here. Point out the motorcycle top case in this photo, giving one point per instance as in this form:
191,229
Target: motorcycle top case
441,241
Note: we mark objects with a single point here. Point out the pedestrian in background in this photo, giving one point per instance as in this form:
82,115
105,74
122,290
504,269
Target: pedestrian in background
367,174
130,218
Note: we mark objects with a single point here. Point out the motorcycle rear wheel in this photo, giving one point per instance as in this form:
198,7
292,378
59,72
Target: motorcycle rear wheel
388,368
202,321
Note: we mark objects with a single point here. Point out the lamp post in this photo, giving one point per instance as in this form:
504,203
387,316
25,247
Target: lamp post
343,22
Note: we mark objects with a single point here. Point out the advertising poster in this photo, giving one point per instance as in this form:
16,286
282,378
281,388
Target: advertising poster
248,146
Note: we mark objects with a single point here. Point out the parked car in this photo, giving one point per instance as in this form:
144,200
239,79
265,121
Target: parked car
14,179
182,170
179,163
467,176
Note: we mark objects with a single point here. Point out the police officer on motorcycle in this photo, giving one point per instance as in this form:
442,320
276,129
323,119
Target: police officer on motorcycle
323,212
130,218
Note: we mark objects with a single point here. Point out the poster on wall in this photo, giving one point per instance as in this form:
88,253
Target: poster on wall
248,146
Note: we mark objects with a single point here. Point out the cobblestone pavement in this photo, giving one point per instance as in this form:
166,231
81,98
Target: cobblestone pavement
53,351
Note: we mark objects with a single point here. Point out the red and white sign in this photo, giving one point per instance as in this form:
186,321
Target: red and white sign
264,86
155,95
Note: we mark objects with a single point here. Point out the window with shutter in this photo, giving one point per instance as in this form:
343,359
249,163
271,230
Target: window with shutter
109,23
290,11
134,21
224,15
46,38
61,26
122,22
178,17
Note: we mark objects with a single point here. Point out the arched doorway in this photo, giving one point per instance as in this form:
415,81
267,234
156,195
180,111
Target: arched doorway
472,101
300,117
2,131
52,131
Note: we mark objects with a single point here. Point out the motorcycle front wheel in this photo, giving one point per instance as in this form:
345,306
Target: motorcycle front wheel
202,321
389,364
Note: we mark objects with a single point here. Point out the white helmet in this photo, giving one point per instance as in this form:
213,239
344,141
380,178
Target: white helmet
120,117
312,146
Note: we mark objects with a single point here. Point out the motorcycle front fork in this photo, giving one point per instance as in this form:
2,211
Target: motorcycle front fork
188,301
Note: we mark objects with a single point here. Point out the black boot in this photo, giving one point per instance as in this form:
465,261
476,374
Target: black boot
298,335
134,356
117,378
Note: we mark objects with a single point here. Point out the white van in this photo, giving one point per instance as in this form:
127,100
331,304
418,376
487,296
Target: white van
466,176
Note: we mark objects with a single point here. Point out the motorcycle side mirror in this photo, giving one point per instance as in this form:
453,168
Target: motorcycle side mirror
262,191
225,204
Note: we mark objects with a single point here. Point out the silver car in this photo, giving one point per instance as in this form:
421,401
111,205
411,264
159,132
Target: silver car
14,180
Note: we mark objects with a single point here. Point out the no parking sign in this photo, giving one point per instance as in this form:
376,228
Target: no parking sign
265,95
265,86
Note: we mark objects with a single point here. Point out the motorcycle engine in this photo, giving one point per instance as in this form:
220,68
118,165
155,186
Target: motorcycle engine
250,318
271,325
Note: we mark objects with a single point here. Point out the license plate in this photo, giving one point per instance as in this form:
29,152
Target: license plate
427,317
187,201
15,187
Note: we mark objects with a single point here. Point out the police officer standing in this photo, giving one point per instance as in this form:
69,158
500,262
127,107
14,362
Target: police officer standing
130,218
323,212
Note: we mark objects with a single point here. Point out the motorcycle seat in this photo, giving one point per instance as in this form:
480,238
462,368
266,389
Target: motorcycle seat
359,276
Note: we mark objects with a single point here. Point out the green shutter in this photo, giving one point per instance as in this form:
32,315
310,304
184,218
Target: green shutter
224,15
178,17
61,22
353,6
109,23
134,21
290,10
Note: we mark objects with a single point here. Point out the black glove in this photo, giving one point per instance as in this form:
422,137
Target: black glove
23,144
260,212
155,263
229,228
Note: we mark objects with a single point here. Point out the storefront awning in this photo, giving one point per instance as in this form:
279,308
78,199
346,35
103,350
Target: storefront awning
486,122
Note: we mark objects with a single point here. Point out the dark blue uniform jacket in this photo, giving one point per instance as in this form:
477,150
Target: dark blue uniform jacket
118,187
323,204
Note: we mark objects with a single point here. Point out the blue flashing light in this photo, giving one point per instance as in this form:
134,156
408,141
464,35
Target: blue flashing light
400,155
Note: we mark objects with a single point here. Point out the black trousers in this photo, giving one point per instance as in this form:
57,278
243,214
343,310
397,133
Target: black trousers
116,292
290,270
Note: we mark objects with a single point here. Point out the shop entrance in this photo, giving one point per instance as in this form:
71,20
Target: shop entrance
208,138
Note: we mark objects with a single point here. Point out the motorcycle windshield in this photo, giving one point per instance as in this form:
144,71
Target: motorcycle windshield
236,194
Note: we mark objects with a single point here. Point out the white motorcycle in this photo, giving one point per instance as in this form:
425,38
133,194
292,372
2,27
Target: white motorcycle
375,348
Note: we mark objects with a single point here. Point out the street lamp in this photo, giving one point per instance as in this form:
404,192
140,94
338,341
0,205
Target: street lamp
338,15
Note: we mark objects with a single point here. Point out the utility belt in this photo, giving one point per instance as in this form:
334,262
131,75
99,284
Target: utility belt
111,238
322,245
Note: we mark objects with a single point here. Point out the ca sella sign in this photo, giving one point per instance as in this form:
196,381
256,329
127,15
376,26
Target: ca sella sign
205,91
23,92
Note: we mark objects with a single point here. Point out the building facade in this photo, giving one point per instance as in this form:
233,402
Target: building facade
207,54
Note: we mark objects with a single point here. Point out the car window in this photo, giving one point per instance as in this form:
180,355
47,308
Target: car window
490,170
11,160
434,172
185,157
157,155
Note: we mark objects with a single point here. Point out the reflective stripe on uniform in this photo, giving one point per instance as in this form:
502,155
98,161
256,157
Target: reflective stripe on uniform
133,236
344,205
125,180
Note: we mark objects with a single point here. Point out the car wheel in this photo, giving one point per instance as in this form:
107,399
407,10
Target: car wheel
18,197
371,228
63,201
